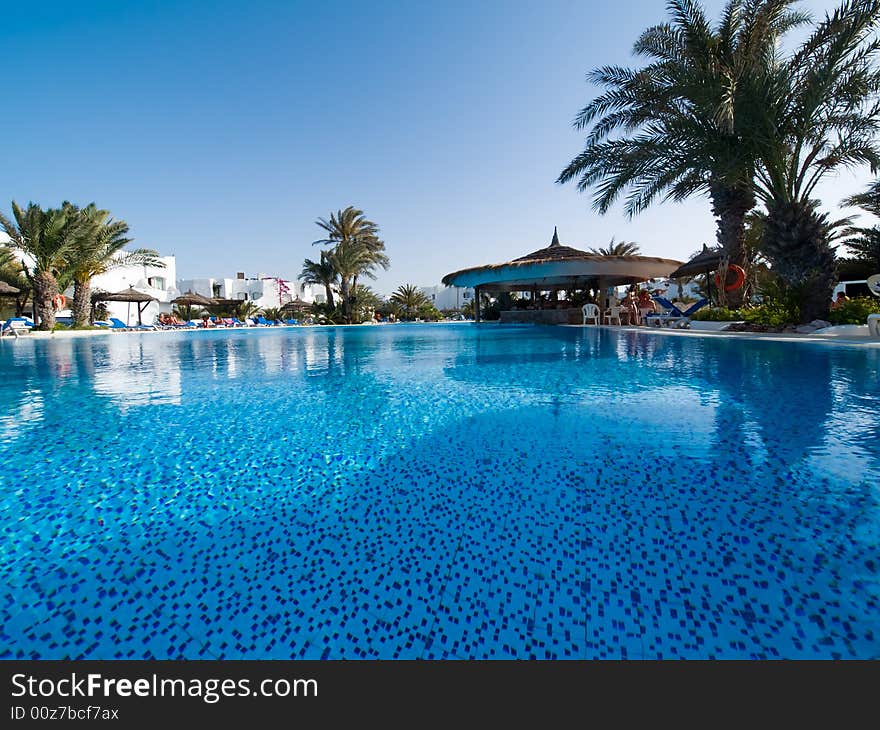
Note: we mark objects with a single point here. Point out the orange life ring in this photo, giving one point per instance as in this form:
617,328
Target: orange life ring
740,279
59,301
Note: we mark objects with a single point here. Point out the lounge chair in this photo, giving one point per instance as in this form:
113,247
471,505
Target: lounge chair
290,321
590,311
16,326
673,316
118,324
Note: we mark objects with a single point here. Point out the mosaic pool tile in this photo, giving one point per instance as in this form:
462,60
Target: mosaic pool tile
448,492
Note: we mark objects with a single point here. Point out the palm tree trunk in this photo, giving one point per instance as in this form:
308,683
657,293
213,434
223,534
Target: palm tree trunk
344,292
730,205
82,304
328,290
45,288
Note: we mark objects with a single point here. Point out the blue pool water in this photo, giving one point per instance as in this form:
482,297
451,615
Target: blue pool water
450,491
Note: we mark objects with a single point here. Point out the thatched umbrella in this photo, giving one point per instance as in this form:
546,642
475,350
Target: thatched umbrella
7,290
296,305
190,299
704,262
128,295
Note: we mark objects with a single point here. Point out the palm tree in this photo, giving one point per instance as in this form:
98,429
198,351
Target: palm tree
356,250
273,314
868,200
322,273
685,117
409,298
12,272
620,248
48,238
98,249
349,259
863,243
365,300
824,115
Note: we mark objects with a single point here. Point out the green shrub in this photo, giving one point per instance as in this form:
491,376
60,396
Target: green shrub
773,313
855,311
780,305
429,313
719,314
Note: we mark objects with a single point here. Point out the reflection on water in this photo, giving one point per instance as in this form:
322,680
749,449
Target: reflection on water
789,402
133,373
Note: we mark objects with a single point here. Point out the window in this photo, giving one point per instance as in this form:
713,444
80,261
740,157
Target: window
241,296
157,282
215,291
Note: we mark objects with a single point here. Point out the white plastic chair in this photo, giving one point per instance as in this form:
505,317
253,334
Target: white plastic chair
874,325
611,314
590,311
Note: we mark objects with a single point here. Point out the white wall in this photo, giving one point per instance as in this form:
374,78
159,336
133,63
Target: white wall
265,291
153,280
448,297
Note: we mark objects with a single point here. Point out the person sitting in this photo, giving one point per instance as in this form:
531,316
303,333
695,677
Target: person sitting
842,299
646,304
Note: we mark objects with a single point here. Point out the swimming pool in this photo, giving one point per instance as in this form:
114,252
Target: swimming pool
438,491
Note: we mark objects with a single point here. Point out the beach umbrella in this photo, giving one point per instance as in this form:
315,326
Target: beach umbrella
127,295
190,299
296,305
7,290
704,262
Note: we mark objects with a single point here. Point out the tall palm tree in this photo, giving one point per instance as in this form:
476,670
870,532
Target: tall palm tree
349,259
822,109
321,273
685,117
356,250
48,238
409,298
99,248
617,248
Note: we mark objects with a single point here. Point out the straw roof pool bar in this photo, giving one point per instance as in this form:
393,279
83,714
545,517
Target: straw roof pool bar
553,269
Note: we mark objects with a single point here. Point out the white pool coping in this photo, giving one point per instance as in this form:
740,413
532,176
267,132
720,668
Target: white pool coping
831,338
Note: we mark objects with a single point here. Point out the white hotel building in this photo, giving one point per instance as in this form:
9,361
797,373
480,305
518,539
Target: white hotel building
265,291
448,297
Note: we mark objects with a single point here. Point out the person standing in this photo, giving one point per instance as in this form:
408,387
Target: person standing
631,308
646,305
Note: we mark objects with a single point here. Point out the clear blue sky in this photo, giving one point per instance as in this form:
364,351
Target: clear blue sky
221,131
